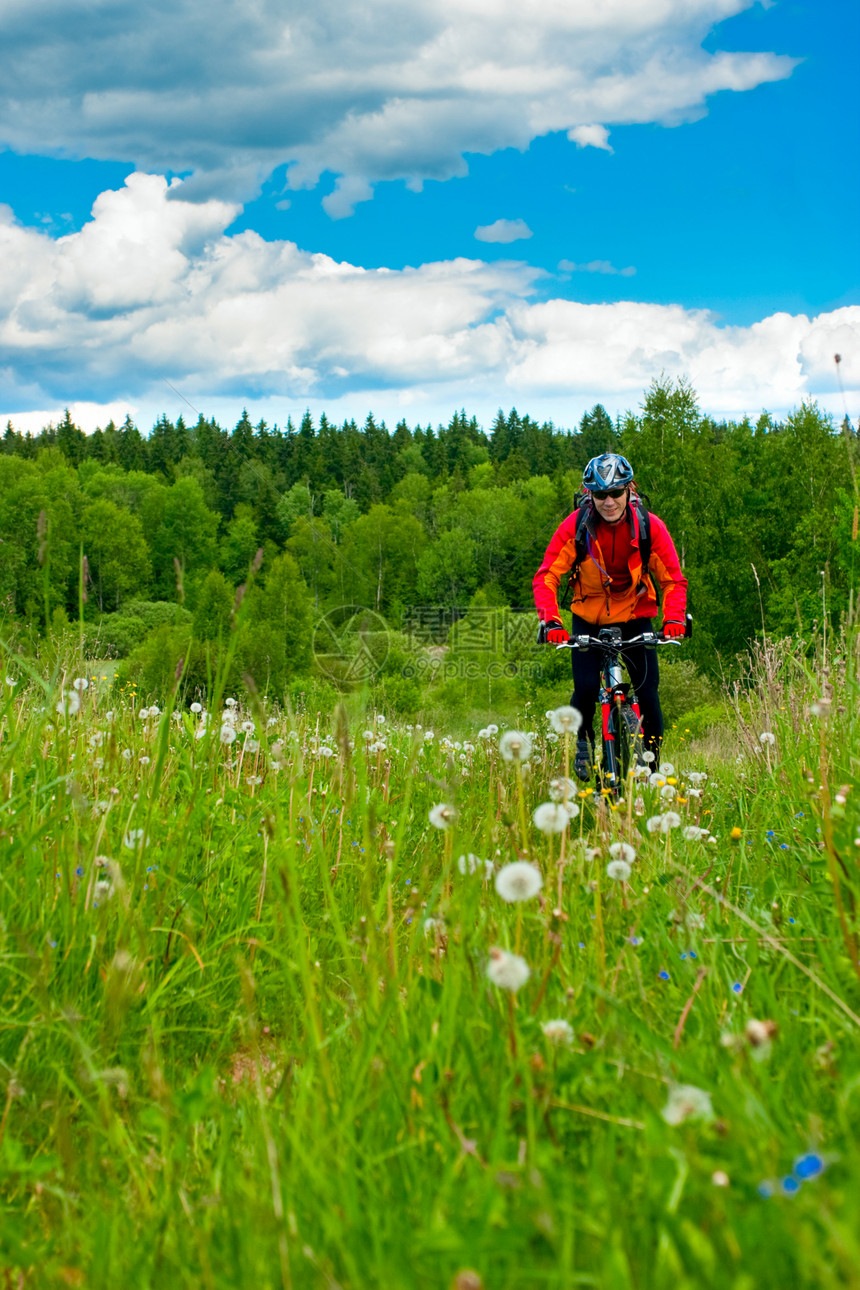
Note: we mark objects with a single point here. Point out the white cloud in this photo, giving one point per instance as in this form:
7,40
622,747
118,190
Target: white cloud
503,230
367,90
595,266
152,289
590,136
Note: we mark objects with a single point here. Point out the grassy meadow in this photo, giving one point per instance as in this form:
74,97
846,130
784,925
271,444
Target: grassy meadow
277,1012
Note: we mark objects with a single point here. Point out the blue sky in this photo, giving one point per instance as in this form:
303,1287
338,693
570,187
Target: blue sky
736,201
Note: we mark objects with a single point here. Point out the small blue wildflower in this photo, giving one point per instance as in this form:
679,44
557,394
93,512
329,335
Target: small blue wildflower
683,956
808,1166
693,954
408,881
635,940
790,1186
582,945
79,873
765,1189
737,987
749,844
53,944
799,815
791,920
663,974
783,846
362,850
770,834
409,920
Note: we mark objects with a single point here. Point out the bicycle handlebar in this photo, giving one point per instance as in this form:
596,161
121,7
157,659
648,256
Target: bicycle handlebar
644,638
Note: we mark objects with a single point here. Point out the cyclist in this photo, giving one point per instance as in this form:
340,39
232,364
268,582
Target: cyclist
610,587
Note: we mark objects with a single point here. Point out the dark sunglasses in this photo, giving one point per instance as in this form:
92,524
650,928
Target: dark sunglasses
611,492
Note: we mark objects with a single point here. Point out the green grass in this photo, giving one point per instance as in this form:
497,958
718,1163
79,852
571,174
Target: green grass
246,1059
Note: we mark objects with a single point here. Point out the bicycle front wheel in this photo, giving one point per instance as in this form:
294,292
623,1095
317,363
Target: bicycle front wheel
627,736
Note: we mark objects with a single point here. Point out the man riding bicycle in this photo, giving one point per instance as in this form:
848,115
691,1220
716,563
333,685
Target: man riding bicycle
601,545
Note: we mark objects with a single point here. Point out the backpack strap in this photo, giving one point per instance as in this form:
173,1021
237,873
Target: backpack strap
581,535
644,536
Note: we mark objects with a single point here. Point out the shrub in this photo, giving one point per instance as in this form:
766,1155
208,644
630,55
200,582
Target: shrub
152,665
155,613
114,636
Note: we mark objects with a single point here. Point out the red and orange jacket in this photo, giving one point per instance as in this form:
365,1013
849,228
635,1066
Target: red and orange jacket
604,591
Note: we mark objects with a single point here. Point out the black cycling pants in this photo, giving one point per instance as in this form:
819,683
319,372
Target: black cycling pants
642,668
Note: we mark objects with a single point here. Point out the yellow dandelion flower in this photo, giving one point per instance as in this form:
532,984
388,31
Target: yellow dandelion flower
736,833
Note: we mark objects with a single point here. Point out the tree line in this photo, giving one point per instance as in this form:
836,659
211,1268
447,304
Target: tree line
764,515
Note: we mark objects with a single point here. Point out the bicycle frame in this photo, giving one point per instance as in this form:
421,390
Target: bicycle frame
613,691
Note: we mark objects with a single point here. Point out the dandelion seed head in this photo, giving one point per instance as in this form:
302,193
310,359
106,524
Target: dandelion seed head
227,734
558,1031
551,817
766,737
618,870
622,851
507,971
648,757
686,1102
196,707
80,684
472,864
515,746
565,720
69,704
442,816
518,881
694,834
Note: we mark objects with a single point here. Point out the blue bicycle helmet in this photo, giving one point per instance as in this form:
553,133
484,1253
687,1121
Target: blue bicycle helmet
610,470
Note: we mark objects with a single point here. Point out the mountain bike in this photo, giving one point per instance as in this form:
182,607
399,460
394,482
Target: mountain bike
621,719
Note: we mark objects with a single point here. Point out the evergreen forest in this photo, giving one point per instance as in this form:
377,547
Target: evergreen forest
141,543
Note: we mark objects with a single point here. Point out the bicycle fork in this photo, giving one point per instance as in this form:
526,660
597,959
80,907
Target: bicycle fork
612,695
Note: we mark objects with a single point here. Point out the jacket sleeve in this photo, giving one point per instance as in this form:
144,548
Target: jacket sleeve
666,568
559,559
